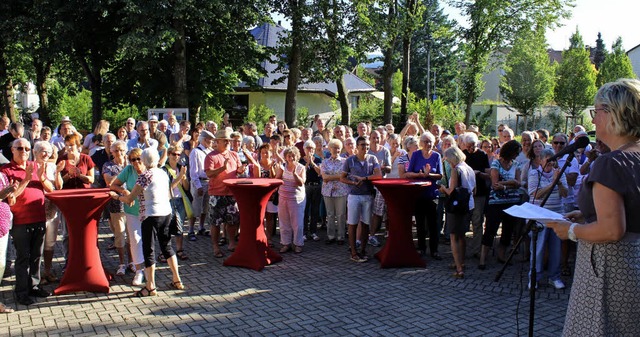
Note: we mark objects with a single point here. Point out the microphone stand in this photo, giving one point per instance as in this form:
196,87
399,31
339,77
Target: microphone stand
535,228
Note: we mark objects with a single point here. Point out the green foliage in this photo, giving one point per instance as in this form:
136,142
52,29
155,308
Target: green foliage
77,107
302,116
445,115
365,76
212,113
484,120
556,120
576,78
616,65
529,78
396,81
259,114
369,109
492,25
117,116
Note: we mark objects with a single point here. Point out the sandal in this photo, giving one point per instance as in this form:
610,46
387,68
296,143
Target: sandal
222,241
162,259
181,255
144,292
285,249
5,309
458,274
176,285
218,254
231,249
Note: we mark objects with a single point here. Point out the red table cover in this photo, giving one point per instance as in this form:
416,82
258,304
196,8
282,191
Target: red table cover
400,196
252,196
82,209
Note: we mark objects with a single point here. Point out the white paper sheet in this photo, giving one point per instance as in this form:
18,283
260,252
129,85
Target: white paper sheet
534,212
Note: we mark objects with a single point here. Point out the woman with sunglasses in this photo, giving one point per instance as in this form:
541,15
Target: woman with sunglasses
152,191
42,153
128,176
180,202
117,217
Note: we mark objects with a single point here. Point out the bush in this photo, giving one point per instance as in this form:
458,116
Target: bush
77,107
211,113
259,114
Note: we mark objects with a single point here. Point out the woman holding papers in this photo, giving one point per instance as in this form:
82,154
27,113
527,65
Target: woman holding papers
540,180
606,290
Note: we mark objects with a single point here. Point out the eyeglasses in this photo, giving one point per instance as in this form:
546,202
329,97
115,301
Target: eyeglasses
133,160
130,123
287,136
500,130
364,144
175,154
593,112
22,148
559,143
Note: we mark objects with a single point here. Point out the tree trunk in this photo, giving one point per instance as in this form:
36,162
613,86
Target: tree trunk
93,73
194,113
180,95
387,86
7,100
469,102
42,72
345,118
406,67
293,78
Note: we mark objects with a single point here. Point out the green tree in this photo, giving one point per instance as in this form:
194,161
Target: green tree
601,52
575,78
615,65
411,18
529,76
491,27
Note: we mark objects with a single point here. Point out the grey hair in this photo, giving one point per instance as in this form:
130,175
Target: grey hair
547,153
408,141
429,136
141,123
110,135
470,137
309,143
150,157
42,146
118,143
455,155
247,140
318,139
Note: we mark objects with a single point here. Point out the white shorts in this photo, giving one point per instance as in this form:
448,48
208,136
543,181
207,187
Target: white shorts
359,209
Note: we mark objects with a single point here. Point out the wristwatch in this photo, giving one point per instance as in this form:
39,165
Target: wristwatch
571,233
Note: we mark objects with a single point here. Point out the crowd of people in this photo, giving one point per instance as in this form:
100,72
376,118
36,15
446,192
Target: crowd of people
160,168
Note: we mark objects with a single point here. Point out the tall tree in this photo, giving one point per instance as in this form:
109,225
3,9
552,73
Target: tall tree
90,31
616,65
575,78
435,56
529,76
411,12
601,52
491,26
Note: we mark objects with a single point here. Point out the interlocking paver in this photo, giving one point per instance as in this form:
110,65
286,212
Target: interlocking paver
317,293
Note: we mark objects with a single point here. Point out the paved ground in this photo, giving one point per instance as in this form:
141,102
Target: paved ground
317,293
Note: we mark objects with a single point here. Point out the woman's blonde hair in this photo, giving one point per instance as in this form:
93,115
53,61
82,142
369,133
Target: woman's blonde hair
621,99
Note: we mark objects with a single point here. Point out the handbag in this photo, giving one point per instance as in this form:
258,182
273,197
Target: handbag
458,201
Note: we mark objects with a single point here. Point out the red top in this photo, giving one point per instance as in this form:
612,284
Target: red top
84,165
29,206
215,160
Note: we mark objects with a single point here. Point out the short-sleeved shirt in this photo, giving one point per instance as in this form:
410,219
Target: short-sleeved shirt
113,169
574,167
85,163
29,206
334,188
383,156
129,176
400,160
418,162
354,167
154,200
215,160
478,161
618,171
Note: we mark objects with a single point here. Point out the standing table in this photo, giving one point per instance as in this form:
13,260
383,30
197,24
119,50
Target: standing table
82,209
400,195
252,196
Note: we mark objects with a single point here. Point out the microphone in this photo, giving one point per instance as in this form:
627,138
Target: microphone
579,143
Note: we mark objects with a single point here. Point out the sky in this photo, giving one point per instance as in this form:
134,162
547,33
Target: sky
612,18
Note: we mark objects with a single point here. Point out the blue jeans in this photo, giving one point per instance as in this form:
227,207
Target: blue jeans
547,238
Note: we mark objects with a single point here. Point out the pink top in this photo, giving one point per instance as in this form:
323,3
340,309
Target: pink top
5,211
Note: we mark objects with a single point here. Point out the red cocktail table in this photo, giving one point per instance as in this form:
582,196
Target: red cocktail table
252,250
400,195
82,209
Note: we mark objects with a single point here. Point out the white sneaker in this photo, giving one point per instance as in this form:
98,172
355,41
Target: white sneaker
315,237
558,284
122,269
529,285
138,279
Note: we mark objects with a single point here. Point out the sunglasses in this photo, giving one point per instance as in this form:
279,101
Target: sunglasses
175,154
133,160
559,143
22,148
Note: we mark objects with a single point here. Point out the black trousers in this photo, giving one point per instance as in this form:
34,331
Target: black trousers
426,218
156,227
29,242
